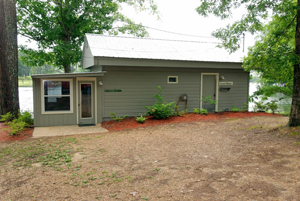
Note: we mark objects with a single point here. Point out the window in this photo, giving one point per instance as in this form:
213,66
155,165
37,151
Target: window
172,79
56,96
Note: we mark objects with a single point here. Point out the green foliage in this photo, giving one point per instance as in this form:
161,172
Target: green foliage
245,107
119,119
24,155
196,110
141,119
58,27
160,110
18,124
182,113
234,109
276,53
7,117
252,21
273,106
260,106
208,100
23,70
26,117
200,111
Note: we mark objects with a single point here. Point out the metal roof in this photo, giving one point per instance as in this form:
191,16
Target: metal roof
69,75
147,48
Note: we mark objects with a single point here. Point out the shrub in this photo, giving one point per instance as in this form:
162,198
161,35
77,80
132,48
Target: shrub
203,111
200,111
273,106
182,113
259,106
245,107
119,119
196,110
19,124
26,117
16,126
208,100
7,117
234,109
160,110
141,119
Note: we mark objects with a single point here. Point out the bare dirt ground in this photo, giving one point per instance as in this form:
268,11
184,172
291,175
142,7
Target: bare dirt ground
232,159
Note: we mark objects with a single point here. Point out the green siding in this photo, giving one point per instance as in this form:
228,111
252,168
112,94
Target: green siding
51,119
138,86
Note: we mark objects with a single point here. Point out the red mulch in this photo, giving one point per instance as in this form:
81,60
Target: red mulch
131,123
5,136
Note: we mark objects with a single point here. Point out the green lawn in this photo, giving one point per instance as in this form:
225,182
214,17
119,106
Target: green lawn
25,83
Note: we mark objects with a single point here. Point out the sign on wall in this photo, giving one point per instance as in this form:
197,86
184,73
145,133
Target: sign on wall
113,90
225,83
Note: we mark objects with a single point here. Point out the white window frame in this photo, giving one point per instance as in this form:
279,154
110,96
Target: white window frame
172,77
43,96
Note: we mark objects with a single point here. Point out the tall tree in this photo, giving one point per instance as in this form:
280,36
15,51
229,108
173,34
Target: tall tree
9,95
58,26
273,57
258,12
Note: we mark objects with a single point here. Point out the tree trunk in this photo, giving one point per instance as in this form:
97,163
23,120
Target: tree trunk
295,108
9,95
67,68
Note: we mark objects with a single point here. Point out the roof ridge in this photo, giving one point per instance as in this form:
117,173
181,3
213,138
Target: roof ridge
148,38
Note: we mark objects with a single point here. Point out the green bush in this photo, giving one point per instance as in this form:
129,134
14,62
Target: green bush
16,126
26,117
245,107
141,119
203,111
119,119
19,124
161,110
259,106
234,109
273,106
196,110
182,113
7,117
208,100
200,111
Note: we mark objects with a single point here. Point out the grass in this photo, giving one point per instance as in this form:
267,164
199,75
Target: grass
25,83
48,154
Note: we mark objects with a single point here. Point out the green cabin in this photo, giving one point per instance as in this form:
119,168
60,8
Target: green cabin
124,74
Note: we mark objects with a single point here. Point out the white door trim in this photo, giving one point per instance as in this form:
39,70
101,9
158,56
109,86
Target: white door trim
217,88
90,79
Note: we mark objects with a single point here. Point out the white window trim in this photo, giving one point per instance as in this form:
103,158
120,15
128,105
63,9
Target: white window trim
172,77
43,97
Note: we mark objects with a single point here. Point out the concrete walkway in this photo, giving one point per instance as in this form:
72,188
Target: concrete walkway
66,130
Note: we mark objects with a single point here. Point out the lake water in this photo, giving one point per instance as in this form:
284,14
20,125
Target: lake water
26,98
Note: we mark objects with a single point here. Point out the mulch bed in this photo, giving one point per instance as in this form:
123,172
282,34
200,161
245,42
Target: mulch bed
131,123
5,136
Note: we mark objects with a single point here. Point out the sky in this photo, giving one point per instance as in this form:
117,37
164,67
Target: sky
179,16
